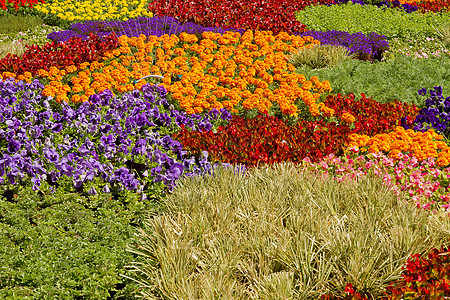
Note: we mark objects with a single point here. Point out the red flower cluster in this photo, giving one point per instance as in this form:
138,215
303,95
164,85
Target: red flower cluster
351,294
72,52
424,277
274,15
262,140
18,3
372,117
266,140
436,5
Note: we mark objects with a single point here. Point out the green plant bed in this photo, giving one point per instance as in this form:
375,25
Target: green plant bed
399,78
15,43
65,246
281,232
10,23
370,18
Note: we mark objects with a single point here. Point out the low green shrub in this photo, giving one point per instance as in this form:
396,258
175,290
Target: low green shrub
443,33
65,246
320,56
11,24
396,79
370,18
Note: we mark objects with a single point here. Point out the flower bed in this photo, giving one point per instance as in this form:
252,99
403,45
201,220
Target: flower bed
250,71
72,52
133,28
80,120
106,138
268,140
276,16
370,47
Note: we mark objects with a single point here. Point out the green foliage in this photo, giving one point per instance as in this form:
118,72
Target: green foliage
65,246
280,232
10,24
320,56
443,32
396,79
370,18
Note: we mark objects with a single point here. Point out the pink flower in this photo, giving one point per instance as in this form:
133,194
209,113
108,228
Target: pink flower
324,165
446,206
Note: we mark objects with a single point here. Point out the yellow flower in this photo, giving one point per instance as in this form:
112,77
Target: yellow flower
348,118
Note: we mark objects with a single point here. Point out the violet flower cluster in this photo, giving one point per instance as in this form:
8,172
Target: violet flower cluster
435,114
134,27
364,47
122,143
409,8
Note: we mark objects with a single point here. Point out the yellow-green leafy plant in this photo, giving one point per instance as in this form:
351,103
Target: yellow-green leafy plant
10,24
320,56
279,232
11,47
443,32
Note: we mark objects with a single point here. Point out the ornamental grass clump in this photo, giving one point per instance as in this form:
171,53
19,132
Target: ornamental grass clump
11,48
106,144
443,33
280,232
320,56
10,24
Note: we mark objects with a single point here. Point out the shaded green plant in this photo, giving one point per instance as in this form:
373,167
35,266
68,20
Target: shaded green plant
10,24
443,33
320,56
280,232
353,18
63,245
397,79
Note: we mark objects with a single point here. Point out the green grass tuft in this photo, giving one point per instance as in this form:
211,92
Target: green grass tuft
10,24
320,56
